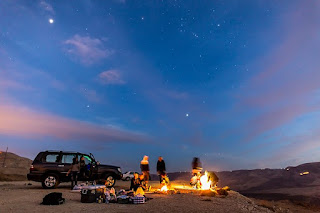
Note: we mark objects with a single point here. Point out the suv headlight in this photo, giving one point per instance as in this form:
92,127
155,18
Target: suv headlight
119,169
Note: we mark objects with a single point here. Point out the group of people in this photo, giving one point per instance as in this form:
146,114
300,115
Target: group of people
142,180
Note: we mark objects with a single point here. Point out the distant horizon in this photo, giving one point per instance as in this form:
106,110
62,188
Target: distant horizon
234,83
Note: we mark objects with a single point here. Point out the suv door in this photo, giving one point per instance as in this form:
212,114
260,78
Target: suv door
65,165
92,169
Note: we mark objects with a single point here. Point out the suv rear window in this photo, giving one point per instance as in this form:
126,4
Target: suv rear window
51,158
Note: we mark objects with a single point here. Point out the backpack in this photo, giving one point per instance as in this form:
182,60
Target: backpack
54,198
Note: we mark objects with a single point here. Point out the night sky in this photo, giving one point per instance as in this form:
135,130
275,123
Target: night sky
235,83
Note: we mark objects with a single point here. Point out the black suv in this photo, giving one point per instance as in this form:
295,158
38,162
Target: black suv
51,167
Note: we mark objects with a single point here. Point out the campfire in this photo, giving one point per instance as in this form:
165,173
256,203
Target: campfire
164,188
205,183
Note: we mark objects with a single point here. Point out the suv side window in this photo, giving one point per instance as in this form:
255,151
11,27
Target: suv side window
51,158
68,158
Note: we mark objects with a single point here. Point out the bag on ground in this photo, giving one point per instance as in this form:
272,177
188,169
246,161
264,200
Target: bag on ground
54,198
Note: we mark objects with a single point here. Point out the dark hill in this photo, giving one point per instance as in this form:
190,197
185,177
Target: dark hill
14,168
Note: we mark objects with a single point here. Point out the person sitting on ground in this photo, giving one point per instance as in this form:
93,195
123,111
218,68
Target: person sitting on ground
143,183
135,182
74,170
195,180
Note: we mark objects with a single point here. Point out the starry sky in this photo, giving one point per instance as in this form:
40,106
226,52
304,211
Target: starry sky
235,83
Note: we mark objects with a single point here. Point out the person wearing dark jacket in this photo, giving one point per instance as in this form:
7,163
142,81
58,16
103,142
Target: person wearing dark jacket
196,166
161,168
83,167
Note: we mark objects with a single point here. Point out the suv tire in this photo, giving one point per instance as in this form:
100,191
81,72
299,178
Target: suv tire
50,181
127,179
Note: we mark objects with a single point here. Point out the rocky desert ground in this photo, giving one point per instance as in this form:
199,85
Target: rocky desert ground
21,197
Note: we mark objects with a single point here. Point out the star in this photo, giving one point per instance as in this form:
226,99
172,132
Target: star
187,115
51,21
218,25
142,18
88,106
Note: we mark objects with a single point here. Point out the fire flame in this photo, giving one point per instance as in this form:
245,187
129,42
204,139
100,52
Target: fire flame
205,182
164,188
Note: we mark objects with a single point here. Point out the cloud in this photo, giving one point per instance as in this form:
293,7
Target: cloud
86,50
111,77
21,121
47,7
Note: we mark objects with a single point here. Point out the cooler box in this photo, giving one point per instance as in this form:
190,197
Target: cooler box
139,200
89,194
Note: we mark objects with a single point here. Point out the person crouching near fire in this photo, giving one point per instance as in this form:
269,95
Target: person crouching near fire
164,179
213,178
135,182
195,180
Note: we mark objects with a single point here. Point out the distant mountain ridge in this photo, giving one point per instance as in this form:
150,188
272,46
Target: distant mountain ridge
263,179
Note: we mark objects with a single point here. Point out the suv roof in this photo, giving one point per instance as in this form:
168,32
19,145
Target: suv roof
67,152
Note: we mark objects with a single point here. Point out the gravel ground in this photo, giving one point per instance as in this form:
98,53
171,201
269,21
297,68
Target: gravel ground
21,197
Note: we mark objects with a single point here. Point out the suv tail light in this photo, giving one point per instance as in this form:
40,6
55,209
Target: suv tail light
32,168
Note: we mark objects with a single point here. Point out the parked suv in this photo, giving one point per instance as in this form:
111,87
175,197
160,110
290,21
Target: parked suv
51,167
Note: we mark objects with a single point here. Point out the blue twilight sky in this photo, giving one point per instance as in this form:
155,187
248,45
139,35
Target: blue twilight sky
235,83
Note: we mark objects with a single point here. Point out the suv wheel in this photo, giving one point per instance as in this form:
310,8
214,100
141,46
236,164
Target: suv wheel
109,180
127,178
50,181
